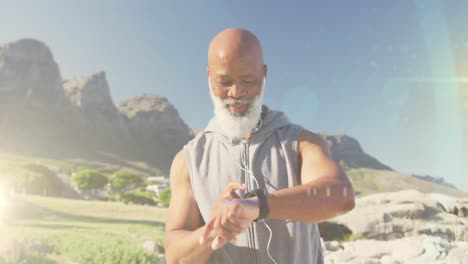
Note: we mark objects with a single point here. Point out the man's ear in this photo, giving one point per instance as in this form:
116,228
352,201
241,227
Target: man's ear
208,70
265,70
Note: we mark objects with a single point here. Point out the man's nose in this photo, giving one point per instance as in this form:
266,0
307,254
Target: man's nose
237,90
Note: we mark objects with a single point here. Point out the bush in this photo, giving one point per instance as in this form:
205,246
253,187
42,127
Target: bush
88,179
29,182
124,179
153,182
330,231
21,253
37,179
137,197
165,197
105,250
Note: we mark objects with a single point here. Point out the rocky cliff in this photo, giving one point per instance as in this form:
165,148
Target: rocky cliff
400,227
35,113
41,114
155,126
348,153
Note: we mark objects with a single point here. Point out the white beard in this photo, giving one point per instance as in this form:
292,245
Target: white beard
236,125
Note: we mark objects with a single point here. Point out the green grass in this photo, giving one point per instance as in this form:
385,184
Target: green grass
81,231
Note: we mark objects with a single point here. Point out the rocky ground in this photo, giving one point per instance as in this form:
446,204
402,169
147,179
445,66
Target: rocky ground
401,227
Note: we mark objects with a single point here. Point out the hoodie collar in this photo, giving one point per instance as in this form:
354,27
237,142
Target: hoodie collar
271,121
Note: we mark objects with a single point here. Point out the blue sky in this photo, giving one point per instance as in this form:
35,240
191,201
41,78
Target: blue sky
392,74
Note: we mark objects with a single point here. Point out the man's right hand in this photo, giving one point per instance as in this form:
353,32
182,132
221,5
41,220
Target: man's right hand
230,216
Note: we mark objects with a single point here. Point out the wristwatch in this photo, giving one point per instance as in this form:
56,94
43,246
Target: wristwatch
262,202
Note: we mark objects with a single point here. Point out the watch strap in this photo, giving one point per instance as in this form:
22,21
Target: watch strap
262,203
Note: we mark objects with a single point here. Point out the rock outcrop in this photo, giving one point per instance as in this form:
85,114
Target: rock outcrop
92,96
155,126
34,111
417,249
348,153
401,227
155,113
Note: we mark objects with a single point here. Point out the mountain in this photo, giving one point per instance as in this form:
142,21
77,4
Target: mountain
35,113
92,97
348,153
41,114
369,181
154,124
432,179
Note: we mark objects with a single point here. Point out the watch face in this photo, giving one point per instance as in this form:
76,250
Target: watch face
249,195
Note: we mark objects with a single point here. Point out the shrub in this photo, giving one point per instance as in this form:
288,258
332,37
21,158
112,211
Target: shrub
105,250
88,179
36,179
165,197
29,182
124,179
153,182
333,231
137,197
21,253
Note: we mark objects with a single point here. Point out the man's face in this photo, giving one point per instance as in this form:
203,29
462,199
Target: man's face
236,89
237,82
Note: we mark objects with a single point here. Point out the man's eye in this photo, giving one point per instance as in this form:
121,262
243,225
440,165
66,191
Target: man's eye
249,82
224,84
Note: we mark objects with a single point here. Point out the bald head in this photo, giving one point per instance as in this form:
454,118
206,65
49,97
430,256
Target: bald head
233,44
235,64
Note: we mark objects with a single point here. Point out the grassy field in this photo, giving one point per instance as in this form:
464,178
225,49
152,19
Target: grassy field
35,229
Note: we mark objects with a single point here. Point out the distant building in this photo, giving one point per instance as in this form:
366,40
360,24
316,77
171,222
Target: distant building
157,188
162,179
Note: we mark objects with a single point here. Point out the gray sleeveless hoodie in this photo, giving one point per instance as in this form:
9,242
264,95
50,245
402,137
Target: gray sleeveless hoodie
271,156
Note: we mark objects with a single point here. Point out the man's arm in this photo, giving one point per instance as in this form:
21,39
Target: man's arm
325,190
184,225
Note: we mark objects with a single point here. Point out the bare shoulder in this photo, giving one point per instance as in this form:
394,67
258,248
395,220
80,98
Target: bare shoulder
179,172
313,143
183,210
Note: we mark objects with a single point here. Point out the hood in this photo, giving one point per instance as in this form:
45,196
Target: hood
271,121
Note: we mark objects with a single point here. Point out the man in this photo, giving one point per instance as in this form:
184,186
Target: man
251,187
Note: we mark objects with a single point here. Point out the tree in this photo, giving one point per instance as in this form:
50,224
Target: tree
87,179
125,180
165,197
137,197
37,179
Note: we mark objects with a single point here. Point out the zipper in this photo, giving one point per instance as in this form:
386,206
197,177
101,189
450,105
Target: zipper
247,176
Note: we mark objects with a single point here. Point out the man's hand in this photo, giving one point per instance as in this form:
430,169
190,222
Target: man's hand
230,216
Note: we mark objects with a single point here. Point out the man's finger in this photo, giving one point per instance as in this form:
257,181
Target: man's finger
218,243
234,185
223,231
208,229
232,226
234,214
229,191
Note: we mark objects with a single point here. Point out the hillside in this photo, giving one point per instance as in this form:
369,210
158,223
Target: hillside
369,181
